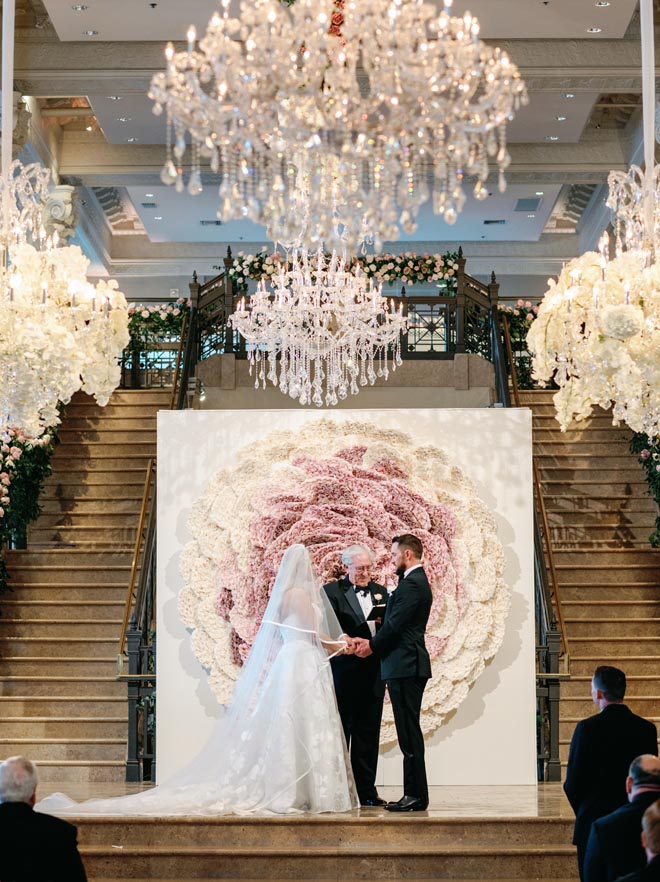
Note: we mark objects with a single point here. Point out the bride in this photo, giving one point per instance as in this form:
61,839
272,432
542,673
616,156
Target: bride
279,747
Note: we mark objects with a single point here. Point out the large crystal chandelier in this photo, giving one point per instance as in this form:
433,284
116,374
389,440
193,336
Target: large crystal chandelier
393,100
320,331
597,333
58,333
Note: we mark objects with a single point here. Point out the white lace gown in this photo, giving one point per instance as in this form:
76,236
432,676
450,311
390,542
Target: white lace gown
286,755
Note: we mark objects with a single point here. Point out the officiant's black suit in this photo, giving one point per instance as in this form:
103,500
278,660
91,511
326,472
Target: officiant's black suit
406,667
358,686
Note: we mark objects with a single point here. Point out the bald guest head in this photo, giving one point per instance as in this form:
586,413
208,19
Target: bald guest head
643,775
18,780
651,830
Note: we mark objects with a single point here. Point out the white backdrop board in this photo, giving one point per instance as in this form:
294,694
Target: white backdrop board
491,738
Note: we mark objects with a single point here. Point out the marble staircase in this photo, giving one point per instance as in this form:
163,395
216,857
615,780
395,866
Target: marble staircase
600,517
60,702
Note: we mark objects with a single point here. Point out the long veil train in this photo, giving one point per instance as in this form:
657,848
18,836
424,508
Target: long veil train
279,747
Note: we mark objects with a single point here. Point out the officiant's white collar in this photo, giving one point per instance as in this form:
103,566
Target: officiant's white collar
410,569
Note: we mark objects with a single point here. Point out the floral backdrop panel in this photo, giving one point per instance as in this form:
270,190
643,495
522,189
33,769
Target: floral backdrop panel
265,480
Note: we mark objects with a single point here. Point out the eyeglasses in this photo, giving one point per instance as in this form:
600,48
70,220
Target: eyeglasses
361,569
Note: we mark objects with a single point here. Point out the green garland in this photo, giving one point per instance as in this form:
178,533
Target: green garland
648,454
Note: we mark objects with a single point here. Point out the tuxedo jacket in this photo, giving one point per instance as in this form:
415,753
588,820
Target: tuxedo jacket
346,606
602,748
400,641
36,847
614,847
649,873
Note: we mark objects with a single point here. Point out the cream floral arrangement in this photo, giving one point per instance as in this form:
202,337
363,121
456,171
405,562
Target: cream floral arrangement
329,485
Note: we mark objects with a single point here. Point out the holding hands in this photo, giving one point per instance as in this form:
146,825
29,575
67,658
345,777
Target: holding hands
356,646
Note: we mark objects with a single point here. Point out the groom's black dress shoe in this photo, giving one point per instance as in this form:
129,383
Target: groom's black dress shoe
407,804
376,802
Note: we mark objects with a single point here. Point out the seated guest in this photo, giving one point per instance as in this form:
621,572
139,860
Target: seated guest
651,843
33,847
614,847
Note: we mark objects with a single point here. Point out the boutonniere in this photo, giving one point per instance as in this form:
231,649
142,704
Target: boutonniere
378,596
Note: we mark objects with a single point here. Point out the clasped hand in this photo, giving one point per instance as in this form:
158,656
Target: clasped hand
357,646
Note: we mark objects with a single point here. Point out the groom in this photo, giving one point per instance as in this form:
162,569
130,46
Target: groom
358,686
405,665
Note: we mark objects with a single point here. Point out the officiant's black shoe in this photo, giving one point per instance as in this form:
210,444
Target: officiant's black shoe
407,804
376,802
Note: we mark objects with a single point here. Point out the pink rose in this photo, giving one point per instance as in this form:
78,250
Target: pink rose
145,313
644,455
2,512
176,312
16,452
528,304
529,317
520,303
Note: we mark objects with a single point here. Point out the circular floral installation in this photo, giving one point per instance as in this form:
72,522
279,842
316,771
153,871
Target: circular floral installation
329,485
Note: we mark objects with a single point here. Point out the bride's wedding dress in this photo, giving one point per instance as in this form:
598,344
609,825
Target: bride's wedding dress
279,747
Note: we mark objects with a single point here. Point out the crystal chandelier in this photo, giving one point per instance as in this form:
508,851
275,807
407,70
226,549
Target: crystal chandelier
321,331
58,333
393,100
598,327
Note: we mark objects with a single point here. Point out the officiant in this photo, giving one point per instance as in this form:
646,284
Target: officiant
358,685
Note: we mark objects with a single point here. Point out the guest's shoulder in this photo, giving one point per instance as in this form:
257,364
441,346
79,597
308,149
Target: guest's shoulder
53,824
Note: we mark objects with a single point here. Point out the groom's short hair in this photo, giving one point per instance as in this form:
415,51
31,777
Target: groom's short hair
407,540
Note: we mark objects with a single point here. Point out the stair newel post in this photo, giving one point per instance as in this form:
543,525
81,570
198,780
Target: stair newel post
461,303
553,642
191,353
133,642
228,298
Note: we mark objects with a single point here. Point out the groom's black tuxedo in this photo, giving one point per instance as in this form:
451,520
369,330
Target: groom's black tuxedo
358,686
406,667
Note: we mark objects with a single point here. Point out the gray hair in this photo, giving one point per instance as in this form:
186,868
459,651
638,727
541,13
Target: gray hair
352,551
18,779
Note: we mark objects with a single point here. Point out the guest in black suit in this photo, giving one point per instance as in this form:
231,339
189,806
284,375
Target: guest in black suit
34,847
614,847
602,749
405,665
651,843
358,686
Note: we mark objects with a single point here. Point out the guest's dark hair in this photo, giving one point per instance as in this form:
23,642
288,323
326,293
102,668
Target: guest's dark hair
642,777
651,826
407,540
611,682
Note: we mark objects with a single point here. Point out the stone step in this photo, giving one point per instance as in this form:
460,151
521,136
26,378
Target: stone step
630,591
595,519
83,478
74,574
637,686
614,507
92,538
65,727
576,707
383,860
558,446
588,574
567,724
87,685
82,449
87,518
127,504
59,647
55,749
334,831
129,462
50,706
607,628
567,544
581,462
594,488
116,422
576,610
138,397
70,629
621,557
59,558
622,647
68,664
69,610
78,771
114,592
588,434
590,475
70,492
103,435
583,663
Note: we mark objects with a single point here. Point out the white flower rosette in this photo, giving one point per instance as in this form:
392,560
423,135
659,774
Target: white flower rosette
328,485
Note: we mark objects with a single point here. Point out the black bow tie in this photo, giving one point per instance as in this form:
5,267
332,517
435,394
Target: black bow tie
359,590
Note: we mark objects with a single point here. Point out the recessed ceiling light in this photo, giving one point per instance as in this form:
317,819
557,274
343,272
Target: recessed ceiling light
132,140
602,3
594,30
552,137
149,195
115,97
531,215
128,119
561,118
90,33
158,217
569,94
539,193
80,7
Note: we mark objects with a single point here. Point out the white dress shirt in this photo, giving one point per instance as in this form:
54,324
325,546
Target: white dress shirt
366,603
410,569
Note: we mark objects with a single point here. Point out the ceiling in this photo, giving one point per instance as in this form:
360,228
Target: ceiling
582,120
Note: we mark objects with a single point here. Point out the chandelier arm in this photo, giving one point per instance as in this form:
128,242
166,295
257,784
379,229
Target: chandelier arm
648,111
8,20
